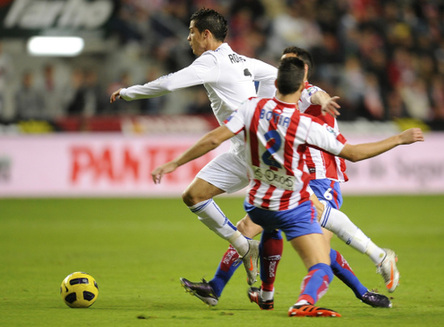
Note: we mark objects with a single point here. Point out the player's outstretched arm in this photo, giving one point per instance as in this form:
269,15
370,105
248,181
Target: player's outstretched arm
328,104
367,150
207,143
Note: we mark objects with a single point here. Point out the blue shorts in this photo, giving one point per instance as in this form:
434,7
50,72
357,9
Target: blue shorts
296,222
327,190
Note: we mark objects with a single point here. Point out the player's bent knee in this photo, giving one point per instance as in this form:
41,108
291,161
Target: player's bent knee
198,191
248,228
191,199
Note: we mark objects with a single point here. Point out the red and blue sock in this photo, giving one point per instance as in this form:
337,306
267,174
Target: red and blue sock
315,283
343,271
226,269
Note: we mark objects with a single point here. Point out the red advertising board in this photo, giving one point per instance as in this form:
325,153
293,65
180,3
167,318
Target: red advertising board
110,164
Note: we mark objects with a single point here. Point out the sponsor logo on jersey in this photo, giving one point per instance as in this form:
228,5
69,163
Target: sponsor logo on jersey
275,178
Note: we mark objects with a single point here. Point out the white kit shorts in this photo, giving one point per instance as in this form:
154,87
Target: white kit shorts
227,171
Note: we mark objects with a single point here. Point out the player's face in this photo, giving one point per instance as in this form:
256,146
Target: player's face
291,55
196,40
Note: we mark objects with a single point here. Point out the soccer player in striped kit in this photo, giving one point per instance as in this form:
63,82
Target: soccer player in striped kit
228,78
327,171
277,135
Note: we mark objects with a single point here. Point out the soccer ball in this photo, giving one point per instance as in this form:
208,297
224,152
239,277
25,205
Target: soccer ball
79,290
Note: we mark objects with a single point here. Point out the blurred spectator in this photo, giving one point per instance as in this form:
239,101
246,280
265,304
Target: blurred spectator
293,26
437,96
96,99
53,94
28,100
374,107
248,27
396,106
352,86
75,99
415,97
6,76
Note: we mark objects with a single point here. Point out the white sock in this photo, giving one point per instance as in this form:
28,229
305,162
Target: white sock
338,223
302,302
240,243
375,253
210,214
267,295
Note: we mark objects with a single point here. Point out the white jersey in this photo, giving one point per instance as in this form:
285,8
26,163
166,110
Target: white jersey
277,136
227,76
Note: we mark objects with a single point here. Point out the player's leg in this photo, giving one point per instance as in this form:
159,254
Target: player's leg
337,222
229,263
342,270
212,216
339,265
209,292
225,173
314,252
199,198
326,189
384,259
303,231
271,248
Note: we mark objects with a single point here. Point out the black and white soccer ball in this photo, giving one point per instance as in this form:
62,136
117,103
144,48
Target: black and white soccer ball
79,290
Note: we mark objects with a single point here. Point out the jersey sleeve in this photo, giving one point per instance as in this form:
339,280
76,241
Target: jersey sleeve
305,100
236,121
202,70
266,75
325,138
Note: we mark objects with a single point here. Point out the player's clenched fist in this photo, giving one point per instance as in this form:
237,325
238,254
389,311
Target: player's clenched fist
411,135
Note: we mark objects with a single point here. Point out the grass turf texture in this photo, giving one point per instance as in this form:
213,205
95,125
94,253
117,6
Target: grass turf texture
138,248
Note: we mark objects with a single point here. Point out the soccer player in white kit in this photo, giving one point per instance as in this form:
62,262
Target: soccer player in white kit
327,172
229,80
276,137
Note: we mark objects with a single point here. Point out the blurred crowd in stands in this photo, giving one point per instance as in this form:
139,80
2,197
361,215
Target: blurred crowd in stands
385,59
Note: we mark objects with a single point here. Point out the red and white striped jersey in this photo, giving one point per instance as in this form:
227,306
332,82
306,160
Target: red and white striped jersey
321,164
277,135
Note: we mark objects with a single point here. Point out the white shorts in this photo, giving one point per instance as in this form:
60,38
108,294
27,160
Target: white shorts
227,171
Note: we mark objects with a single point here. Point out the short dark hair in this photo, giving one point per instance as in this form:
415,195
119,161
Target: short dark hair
209,19
290,75
302,54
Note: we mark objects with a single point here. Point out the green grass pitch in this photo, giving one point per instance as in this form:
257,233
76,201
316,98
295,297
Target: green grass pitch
138,248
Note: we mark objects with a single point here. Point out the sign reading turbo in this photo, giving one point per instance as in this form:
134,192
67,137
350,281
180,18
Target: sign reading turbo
30,17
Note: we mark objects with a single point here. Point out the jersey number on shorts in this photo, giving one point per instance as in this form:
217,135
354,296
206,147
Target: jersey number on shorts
327,195
267,157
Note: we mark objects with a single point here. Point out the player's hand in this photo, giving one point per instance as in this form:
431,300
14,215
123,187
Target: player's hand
331,107
115,96
411,135
167,168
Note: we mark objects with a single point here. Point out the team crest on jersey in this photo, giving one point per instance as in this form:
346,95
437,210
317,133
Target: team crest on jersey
331,130
312,90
